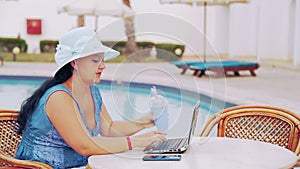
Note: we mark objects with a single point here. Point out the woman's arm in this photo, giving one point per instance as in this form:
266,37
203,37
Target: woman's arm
63,113
122,128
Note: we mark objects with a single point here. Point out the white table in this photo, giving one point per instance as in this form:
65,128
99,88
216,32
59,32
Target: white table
206,153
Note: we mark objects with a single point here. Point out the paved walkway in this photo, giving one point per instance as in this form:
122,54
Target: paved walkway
274,85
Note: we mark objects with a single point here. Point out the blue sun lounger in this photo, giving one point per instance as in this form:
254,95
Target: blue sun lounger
220,68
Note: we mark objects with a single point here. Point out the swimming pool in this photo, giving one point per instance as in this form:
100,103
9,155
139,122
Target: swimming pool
124,100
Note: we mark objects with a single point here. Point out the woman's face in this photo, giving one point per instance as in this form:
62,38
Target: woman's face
90,68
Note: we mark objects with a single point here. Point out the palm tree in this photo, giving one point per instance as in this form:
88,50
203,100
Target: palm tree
80,20
131,45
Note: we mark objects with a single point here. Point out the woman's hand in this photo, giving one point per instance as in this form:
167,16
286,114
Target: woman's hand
146,121
147,139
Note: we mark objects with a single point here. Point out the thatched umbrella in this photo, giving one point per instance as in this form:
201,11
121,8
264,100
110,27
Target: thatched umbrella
95,8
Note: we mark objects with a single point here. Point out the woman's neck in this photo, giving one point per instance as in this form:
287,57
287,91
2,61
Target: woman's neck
76,87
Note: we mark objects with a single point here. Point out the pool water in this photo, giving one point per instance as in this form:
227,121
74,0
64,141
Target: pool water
122,100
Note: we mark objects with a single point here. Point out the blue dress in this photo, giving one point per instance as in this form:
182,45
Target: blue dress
41,141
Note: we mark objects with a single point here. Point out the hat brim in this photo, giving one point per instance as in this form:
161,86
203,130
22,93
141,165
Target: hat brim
109,54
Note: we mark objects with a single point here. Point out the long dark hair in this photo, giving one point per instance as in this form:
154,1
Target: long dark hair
29,105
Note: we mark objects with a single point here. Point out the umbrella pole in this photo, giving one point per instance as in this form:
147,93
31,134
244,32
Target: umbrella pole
96,23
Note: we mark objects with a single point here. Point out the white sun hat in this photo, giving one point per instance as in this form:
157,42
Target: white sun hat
78,43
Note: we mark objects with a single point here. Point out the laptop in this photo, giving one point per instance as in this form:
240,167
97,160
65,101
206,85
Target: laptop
175,145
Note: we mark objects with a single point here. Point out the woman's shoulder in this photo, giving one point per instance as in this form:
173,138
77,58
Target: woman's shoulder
59,88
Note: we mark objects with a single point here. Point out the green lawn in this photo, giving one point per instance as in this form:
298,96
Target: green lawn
49,57
44,57
24,57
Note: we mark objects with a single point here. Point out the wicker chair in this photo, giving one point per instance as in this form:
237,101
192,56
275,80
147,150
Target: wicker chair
263,123
9,143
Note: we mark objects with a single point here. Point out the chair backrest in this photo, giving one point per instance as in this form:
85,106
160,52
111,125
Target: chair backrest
8,132
10,140
263,123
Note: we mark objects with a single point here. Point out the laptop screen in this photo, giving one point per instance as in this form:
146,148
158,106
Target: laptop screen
194,120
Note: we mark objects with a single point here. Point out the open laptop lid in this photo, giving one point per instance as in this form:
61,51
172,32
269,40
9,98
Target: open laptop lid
182,147
194,120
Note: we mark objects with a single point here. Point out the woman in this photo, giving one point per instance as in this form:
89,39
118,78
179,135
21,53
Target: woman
65,120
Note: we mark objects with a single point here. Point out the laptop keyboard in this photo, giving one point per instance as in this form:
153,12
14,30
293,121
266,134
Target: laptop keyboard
169,144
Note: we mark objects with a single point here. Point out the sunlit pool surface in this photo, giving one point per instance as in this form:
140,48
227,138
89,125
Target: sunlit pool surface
124,101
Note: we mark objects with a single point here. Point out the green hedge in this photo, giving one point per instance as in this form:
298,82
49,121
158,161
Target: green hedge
120,45
145,44
7,44
168,51
48,46
116,45
165,51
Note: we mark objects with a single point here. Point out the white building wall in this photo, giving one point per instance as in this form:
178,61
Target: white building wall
54,25
296,53
217,27
274,29
262,28
218,30
15,14
243,29
291,31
